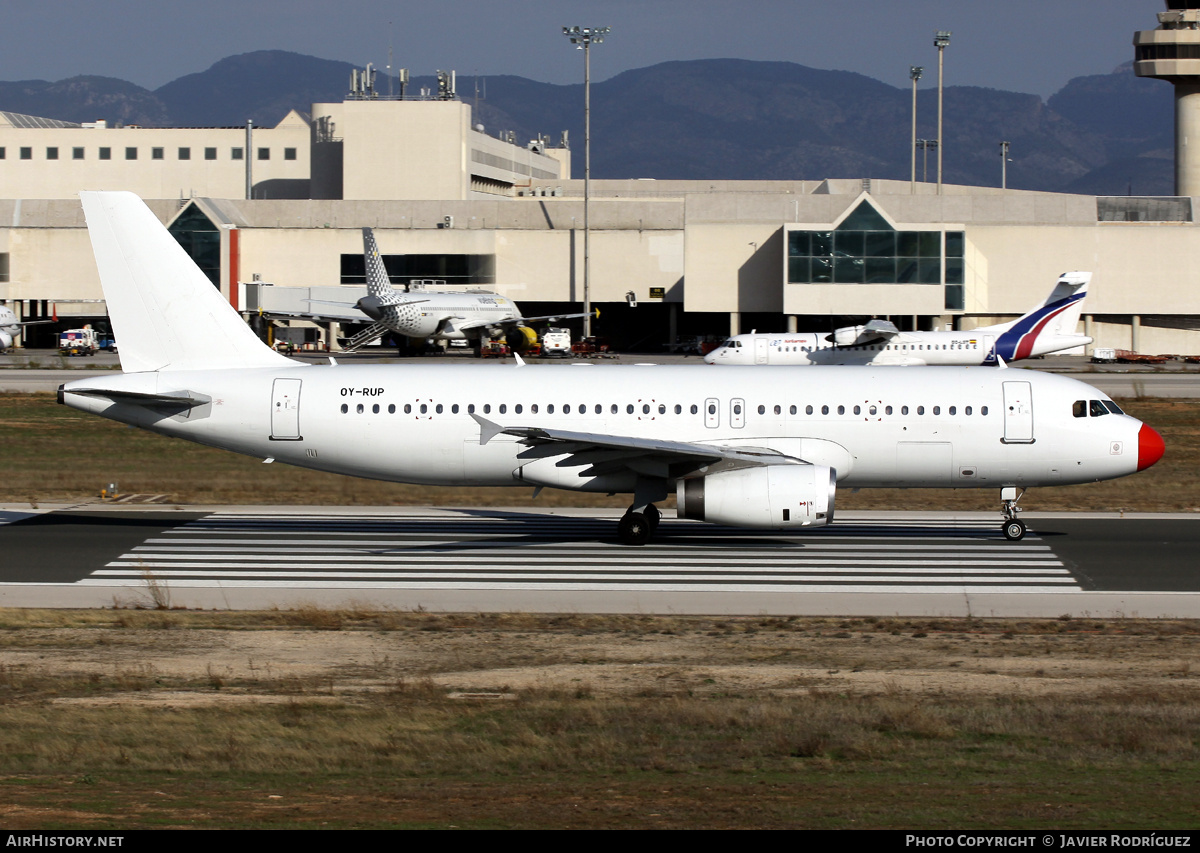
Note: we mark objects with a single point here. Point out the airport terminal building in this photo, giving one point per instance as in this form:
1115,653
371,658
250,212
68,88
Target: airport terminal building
284,206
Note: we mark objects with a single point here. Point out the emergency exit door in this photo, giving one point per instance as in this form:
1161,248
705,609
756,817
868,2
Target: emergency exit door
1018,413
285,410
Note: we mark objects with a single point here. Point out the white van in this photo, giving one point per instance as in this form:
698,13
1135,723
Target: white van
556,342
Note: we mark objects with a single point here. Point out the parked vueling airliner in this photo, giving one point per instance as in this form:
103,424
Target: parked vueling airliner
745,447
1048,328
430,313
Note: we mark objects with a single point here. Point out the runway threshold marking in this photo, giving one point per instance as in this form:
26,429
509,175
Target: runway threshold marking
529,551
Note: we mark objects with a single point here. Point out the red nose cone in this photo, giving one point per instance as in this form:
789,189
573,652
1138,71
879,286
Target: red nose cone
1150,447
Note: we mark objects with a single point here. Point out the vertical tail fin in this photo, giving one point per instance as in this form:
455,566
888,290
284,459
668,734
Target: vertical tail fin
1050,326
378,283
1068,293
165,313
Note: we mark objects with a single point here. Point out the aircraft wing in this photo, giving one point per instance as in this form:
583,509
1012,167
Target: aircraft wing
652,457
876,331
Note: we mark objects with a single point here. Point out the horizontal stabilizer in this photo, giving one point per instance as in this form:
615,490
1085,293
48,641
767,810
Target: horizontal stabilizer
179,400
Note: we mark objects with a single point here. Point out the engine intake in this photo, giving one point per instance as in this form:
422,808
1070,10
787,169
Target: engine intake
774,496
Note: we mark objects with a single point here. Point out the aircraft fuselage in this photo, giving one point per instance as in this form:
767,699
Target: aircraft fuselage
940,427
923,348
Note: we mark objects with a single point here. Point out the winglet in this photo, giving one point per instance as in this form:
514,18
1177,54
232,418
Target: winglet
520,361
1001,364
487,429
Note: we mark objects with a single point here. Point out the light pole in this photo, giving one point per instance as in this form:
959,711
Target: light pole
583,38
914,73
925,145
940,40
1004,165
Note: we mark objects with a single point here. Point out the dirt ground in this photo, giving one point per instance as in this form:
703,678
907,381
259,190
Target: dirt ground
175,666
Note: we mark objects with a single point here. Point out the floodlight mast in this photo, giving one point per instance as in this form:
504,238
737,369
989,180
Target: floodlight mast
583,38
914,74
941,40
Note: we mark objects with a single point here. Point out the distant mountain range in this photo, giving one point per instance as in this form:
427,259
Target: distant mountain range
722,119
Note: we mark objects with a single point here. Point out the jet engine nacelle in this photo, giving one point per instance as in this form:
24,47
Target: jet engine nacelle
6,340
774,496
521,338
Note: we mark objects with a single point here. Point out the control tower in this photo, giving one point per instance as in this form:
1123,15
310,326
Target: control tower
1172,53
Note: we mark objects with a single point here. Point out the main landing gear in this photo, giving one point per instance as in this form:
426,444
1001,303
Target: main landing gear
640,521
638,524
1014,528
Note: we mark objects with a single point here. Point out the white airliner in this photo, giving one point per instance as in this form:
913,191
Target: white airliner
745,447
425,313
10,327
1048,328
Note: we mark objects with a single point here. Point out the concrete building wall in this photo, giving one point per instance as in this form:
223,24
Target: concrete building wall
78,164
50,254
393,149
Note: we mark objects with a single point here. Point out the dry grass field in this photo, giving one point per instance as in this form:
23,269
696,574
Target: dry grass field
359,718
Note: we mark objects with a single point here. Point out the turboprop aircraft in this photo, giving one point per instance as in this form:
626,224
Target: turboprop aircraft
744,446
421,312
1048,328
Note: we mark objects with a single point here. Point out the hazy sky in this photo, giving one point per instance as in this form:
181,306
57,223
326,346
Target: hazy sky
1020,45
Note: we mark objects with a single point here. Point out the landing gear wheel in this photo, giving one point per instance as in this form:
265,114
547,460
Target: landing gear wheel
634,528
653,516
1014,530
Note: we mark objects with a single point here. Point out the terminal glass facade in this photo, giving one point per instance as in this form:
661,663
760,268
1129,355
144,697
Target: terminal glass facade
402,269
201,240
865,249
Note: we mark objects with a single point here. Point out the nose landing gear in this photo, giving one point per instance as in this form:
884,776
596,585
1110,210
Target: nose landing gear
1013,528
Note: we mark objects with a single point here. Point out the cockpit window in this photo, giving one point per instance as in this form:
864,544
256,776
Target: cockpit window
1112,407
1079,408
1098,408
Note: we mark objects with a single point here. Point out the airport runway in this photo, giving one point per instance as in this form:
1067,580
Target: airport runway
568,560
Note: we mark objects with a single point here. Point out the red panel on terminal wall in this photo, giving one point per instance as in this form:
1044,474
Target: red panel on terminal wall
233,268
